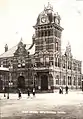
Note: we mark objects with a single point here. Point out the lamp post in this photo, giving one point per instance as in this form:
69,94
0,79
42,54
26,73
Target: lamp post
66,68
4,87
4,91
10,83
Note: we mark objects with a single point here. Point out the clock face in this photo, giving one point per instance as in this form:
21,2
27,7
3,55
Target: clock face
43,19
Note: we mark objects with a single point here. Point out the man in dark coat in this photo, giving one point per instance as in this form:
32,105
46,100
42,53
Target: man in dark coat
28,92
66,88
60,90
19,93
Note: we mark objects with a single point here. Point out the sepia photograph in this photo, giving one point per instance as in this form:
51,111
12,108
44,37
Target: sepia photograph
41,60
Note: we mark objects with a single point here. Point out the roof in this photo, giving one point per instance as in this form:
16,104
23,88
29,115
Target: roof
11,51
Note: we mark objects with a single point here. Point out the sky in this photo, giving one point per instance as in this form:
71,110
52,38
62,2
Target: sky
17,18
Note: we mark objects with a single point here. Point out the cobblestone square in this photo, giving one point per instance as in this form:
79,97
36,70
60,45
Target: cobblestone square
44,106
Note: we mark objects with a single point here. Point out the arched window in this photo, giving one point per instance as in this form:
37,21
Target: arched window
55,61
45,33
42,33
64,80
79,81
74,82
48,32
56,46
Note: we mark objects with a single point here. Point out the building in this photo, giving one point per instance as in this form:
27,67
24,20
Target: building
42,63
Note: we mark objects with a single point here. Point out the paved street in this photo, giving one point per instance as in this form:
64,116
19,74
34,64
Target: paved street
44,106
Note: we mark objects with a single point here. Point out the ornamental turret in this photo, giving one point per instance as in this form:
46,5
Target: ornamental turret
48,16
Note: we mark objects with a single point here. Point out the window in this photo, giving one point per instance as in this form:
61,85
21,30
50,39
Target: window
79,81
57,80
51,63
50,40
56,46
39,34
56,61
64,64
51,58
56,33
48,32
42,33
36,34
74,66
45,33
69,65
51,46
69,80
64,80
74,81
51,32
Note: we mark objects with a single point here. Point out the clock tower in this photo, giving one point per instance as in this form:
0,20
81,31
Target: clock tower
47,46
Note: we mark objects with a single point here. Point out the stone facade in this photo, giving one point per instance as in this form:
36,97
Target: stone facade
47,67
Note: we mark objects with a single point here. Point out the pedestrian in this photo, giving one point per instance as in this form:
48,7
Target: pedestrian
60,90
19,93
28,92
33,91
66,89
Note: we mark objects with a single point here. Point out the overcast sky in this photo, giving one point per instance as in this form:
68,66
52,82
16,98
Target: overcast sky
17,18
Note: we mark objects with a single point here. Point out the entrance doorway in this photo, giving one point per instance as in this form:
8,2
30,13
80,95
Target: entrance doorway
44,82
21,82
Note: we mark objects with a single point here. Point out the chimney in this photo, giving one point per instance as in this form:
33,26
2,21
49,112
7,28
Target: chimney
6,48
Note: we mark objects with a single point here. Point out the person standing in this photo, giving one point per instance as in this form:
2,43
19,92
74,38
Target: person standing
66,88
60,90
19,93
33,91
28,92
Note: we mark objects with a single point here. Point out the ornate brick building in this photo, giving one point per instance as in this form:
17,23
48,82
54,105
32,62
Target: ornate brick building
42,64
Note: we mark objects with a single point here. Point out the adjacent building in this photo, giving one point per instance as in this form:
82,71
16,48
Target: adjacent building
42,63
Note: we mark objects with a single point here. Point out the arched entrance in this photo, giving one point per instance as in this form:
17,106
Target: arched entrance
44,82
21,82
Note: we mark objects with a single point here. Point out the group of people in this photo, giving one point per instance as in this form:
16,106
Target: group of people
28,92
61,90
33,91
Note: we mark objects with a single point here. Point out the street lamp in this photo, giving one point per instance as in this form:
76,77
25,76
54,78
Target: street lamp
4,91
66,67
9,85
